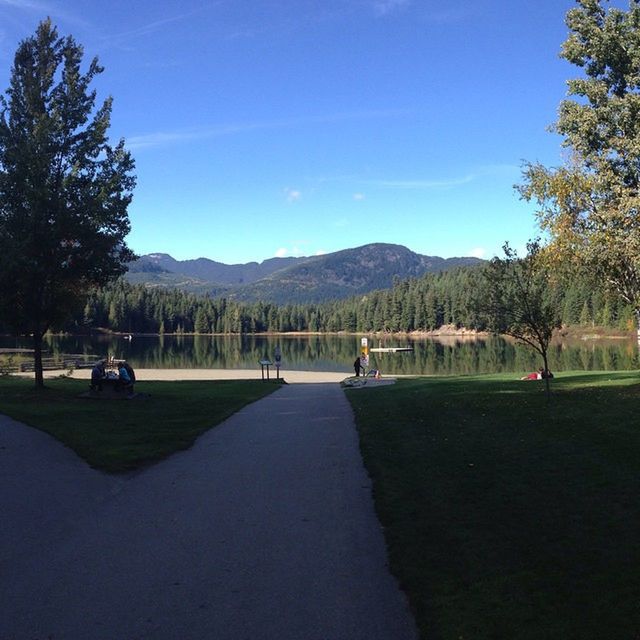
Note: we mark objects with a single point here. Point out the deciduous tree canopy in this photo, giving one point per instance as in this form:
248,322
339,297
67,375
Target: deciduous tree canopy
591,206
517,300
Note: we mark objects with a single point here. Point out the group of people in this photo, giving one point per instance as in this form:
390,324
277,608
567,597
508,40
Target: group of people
125,378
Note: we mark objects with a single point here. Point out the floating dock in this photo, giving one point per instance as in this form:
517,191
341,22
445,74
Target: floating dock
390,349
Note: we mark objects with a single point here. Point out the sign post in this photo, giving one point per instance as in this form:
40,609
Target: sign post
278,358
364,353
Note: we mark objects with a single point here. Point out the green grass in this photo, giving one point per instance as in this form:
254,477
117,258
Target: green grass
122,435
505,517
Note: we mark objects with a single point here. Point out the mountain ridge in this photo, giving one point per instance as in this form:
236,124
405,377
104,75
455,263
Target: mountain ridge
293,279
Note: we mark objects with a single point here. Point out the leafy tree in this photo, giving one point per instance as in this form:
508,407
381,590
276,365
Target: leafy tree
64,191
516,300
591,205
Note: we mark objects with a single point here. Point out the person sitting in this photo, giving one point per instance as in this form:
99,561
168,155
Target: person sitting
535,375
124,379
97,376
131,372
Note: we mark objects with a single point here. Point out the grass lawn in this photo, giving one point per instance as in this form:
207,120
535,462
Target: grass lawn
122,435
506,518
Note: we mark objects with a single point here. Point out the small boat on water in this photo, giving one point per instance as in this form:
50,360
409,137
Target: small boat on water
390,349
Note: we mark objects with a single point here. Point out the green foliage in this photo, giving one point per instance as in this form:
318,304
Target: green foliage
64,191
591,206
516,302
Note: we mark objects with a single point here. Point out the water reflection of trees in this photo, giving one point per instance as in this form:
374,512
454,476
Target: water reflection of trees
336,353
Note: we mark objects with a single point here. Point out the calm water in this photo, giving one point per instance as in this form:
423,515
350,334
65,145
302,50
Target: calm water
337,353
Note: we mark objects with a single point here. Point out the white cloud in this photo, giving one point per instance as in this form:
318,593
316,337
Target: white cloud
478,252
293,195
358,196
320,252
285,252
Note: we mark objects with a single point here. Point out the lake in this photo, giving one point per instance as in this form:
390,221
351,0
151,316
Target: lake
444,355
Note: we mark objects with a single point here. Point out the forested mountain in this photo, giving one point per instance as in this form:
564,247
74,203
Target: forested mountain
418,304
292,280
210,271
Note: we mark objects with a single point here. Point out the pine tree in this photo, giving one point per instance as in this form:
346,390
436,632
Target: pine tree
64,191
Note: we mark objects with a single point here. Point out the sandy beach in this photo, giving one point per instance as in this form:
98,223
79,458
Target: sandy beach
309,377
291,377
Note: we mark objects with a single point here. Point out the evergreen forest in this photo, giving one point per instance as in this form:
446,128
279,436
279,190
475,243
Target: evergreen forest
419,304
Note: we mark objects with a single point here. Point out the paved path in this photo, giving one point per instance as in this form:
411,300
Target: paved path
263,530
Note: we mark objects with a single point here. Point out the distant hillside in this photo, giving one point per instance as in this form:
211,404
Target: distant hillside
293,280
205,270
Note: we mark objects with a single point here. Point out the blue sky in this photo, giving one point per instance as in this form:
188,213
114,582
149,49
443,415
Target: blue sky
297,127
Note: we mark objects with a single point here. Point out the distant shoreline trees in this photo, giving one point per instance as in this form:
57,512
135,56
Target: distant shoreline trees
421,304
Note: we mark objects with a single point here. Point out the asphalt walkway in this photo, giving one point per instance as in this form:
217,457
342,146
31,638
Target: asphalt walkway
263,530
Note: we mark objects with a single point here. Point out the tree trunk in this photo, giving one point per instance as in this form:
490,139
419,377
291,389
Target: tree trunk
547,385
636,313
37,360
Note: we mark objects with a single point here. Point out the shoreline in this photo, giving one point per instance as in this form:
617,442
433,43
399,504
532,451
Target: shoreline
176,375
445,331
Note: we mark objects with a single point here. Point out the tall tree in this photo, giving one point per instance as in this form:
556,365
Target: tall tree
591,205
516,300
64,191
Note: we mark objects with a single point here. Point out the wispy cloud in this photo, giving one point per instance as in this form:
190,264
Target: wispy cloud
359,196
452,14
26,4
163,138
17,21
478,252
384,7
153,26
485,171
427,184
